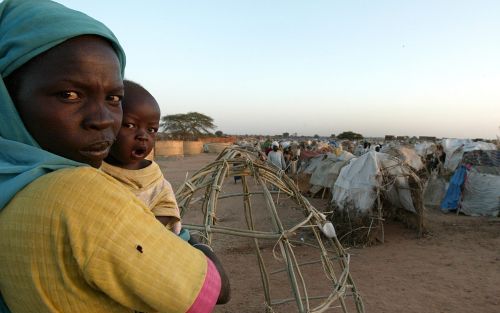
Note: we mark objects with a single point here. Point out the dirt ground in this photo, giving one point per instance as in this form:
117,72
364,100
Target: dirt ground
455,267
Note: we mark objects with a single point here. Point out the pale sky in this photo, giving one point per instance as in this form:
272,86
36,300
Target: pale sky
421,67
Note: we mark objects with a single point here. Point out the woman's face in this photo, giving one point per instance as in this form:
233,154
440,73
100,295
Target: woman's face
69,98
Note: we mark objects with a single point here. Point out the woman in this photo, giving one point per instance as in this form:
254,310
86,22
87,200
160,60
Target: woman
71,238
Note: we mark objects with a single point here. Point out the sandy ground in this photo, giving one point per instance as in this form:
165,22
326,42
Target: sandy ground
454,268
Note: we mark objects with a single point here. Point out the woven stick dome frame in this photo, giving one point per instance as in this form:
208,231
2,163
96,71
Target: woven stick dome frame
236,161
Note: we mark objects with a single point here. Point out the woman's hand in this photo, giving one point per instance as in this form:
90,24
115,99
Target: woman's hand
225,291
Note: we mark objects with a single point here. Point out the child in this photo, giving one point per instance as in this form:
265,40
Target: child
127,161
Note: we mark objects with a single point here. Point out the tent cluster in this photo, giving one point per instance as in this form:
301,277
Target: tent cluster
371,182
455,174
360,186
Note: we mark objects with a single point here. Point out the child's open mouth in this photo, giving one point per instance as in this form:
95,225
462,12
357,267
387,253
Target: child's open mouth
139,153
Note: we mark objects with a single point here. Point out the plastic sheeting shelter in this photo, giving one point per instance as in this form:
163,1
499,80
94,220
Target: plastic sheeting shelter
361,181
435,191
408,155
480,185
325,168
375,178
481,194
425,148
455,149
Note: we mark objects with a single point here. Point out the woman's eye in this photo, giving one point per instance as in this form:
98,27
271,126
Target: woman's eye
69,95
114,98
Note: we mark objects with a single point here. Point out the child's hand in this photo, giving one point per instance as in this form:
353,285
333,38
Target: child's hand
176,227
171,222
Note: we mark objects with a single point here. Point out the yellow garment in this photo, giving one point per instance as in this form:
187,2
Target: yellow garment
149,185
75,240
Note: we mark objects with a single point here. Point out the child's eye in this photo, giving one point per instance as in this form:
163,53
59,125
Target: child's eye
128,125
69,95
152,130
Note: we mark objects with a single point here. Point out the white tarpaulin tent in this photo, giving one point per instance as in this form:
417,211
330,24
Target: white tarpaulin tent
482,186
434,191
455,149
425,148
359,181
481,194
407,155
325,168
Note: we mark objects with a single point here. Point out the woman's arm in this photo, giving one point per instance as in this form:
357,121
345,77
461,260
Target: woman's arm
225,292
125,253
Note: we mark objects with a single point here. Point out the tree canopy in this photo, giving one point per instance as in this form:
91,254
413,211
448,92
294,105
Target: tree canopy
350,135
189,126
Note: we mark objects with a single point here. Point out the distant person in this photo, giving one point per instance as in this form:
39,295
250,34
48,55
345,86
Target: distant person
127,161
275,156
266,146
437,160
359,150
366,147
287,155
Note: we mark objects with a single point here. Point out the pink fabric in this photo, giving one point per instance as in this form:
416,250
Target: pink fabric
207,298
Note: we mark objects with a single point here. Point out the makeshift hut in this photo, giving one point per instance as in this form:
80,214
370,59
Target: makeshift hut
425,149
474,188
275,219
407,155
434,190
455,149
324,170
369,189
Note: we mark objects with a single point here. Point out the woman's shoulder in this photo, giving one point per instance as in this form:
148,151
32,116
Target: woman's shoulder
78,175
81,187
85,181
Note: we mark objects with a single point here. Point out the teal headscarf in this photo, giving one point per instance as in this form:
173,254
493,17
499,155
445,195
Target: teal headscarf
27,29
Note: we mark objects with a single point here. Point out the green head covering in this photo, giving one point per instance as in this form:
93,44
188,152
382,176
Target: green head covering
27,29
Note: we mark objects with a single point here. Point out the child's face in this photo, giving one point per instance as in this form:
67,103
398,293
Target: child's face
69,98
141,118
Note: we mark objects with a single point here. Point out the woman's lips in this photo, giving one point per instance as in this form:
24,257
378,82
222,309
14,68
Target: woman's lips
97,150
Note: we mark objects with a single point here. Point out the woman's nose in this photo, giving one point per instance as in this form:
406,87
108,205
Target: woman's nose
99,117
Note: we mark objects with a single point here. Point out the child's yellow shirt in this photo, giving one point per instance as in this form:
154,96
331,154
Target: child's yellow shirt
149,185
